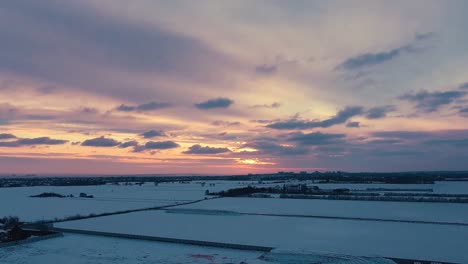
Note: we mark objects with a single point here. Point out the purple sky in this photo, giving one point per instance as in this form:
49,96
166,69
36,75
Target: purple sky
228,87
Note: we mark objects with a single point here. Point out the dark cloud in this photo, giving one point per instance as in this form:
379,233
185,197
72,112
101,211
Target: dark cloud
151,106
372,59
41,141
316,138
387,153
353,124
161,145
463,111
266,69
449,142
379,112
215,103
100,142
86,48
127,144
463,86
7,136
198,149
272,105
32,142
432,101
153,133
424,36
89,110
341,117
225,123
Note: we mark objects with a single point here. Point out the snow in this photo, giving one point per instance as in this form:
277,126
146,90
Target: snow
358,238
445,187
218,220
108,198
81,249
111,198
438,212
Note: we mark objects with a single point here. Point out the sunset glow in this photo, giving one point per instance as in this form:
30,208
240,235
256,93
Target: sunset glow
228,87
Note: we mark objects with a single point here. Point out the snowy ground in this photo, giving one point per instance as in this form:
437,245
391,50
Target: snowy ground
438,212
359,238
108,198
80,249
438,187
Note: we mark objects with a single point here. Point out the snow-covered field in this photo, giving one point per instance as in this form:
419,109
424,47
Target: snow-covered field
216,220
437,212
110,198
359,238
107,198
438,187
81,249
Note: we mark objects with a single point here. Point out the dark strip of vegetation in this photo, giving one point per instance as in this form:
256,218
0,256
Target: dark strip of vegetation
48,195
320,177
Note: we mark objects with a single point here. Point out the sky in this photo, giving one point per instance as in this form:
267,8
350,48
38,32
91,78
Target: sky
232,87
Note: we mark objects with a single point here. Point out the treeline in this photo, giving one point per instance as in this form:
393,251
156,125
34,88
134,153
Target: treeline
320,177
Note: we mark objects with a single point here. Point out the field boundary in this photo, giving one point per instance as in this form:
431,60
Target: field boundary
360,219
166,239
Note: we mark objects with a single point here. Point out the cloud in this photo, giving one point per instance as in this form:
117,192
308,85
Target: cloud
89,110
127,144
100,142
353,124
272,105
6,136
391,153
153,133
198,149
32,141
372,59
431,101
424,36
7,113
316,138
384,141
92,47
215,103
151,106
463,111
379,112
463,86
450,142
272,148
225,123
401,134
266,69
264,121
341,117
161,145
